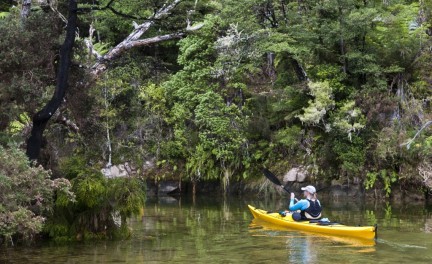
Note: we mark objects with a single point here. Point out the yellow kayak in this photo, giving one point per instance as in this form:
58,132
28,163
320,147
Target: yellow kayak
364,232
257,226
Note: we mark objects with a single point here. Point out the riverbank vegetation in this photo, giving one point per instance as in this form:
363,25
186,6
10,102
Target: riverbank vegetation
207,90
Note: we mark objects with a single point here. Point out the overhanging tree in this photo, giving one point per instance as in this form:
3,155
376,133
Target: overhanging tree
41,118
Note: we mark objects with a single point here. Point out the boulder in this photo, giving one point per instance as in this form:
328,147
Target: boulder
298,174
130,169
291,175
302,175
115,171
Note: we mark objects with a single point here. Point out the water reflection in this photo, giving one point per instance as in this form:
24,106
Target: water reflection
221,230
259,227
301,249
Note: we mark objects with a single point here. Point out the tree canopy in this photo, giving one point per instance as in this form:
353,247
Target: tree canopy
215,90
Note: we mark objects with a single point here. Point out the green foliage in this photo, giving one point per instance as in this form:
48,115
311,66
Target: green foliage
349,118
99,200
130,106
17,126
73,166
26,195
274,83
127,195
387,149
323,102
387,179
101,48
90,188
3,15
371,178
220,128
351,154
26,64
208,120
336,78
289,137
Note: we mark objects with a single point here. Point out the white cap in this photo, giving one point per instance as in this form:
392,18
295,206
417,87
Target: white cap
310,189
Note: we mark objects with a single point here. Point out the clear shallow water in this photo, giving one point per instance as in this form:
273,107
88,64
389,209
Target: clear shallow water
223,231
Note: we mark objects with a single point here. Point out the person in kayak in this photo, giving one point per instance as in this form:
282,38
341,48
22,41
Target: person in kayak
310,208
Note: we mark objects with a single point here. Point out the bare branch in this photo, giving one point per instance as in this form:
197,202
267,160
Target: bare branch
149,41
133,39
53,6
153,40
101,65
61,119
409,142
142,28
89,43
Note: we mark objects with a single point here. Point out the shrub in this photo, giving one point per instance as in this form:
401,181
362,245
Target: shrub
102,205
26,195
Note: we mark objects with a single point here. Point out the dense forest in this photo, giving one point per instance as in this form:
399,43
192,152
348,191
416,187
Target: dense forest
202,90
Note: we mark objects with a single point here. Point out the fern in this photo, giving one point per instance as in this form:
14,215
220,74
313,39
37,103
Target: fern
3,15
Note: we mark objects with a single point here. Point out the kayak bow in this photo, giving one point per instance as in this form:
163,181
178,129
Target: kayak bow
364,232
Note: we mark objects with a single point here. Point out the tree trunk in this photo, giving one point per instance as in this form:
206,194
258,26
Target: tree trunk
41,118
109,164
300,72
342,41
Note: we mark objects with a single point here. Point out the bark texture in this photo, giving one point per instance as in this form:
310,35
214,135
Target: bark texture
41,118
133,40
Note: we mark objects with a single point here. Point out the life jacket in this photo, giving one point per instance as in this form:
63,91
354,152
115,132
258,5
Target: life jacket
313,211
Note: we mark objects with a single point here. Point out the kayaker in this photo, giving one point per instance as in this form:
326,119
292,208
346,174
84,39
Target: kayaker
310,208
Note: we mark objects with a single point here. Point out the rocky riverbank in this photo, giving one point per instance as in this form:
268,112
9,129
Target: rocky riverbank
334,190
293,179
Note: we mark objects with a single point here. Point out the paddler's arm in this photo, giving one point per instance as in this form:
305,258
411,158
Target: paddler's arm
300,205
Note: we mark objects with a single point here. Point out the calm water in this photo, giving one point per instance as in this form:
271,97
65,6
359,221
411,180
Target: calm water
223,231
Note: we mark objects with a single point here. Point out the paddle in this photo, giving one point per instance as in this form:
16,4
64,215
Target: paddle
274,179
